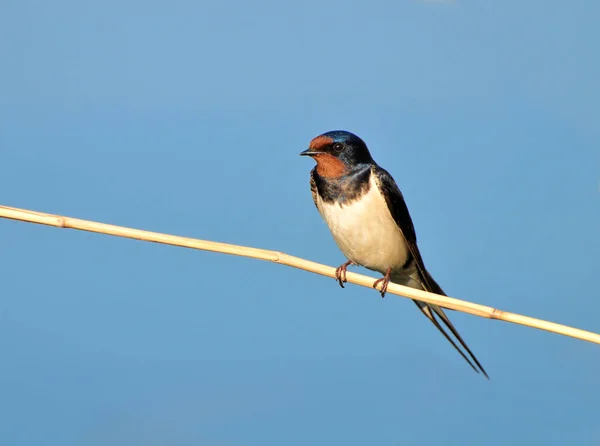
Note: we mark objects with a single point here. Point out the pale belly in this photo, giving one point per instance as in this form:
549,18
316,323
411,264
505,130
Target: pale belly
366,232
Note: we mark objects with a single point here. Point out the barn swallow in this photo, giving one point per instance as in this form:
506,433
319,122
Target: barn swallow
370,222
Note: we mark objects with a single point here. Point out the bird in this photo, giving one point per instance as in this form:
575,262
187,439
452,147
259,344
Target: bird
370,223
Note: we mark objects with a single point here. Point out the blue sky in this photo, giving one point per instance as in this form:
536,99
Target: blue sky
187,118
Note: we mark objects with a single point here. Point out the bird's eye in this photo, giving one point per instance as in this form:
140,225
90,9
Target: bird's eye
338,147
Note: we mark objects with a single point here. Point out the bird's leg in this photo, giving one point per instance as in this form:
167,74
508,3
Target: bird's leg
385,280
340,272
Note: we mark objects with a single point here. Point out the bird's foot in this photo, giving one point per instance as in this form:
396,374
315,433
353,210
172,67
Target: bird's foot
385,280
340,272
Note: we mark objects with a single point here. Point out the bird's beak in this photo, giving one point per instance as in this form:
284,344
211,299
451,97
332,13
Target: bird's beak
310,152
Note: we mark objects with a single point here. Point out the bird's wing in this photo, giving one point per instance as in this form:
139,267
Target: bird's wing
399,210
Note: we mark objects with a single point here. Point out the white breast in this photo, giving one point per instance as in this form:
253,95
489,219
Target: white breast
365,231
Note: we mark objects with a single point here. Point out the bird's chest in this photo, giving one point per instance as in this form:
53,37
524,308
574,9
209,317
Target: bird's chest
366,232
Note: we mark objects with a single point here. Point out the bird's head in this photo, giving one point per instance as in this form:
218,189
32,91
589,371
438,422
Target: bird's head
337,152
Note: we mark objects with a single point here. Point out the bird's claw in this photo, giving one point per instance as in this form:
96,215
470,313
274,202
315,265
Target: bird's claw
340,273
385,281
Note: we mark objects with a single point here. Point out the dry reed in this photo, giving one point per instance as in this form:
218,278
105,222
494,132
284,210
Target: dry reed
296,262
